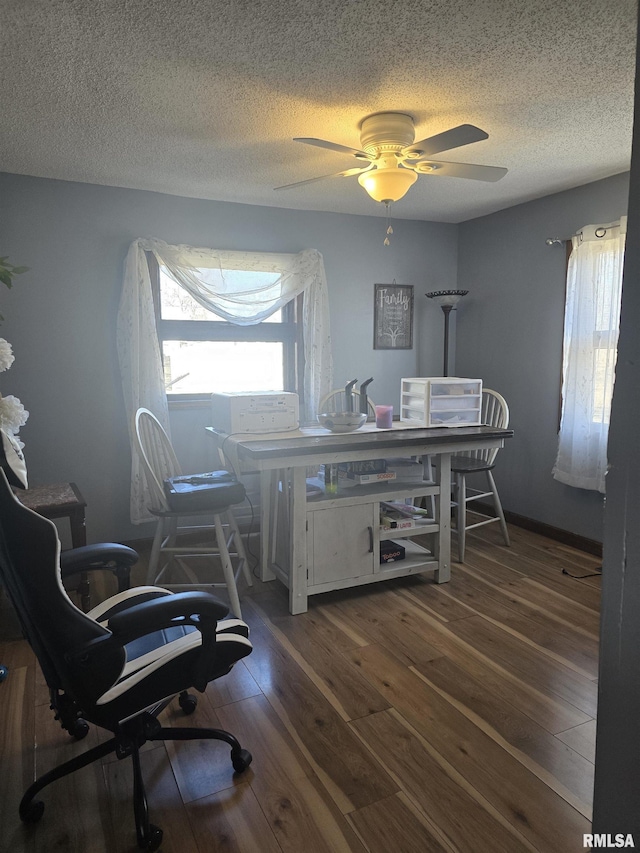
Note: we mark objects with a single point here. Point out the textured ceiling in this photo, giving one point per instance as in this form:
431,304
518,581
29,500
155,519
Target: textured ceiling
202,99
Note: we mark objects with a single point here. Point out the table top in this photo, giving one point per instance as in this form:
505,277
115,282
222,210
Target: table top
368,438
50,497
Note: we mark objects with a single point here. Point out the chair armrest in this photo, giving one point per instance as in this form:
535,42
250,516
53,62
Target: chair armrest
200,609
106,556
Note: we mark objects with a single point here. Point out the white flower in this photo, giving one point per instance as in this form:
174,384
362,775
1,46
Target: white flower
13,414
6,355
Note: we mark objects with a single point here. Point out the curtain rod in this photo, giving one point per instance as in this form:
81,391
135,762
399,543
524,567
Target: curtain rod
558,241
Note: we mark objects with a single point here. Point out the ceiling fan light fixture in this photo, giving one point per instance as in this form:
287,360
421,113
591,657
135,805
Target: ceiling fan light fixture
389,184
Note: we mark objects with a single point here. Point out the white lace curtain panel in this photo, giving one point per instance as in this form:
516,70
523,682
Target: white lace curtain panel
200,271
592,316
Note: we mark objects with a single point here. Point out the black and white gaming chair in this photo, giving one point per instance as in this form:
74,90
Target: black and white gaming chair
120,664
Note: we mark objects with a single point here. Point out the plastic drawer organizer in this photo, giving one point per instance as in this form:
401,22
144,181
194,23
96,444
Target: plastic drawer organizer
441,401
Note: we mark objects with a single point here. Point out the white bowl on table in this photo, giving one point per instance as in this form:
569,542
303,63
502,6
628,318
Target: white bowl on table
342,421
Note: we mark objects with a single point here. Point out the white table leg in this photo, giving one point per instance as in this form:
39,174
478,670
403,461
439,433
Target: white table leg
443,477
298,542
266,510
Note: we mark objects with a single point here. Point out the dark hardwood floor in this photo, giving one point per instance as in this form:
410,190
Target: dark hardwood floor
402,717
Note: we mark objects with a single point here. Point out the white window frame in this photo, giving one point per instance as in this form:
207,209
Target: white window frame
288,332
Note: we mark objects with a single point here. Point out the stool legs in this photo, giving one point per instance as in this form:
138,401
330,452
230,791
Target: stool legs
462,498
239,546
461,514
154,557
227,568
498,508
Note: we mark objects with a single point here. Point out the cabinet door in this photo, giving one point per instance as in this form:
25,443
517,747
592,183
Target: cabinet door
340,543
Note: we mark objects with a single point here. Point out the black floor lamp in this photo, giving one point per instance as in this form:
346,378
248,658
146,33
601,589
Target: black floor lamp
447,300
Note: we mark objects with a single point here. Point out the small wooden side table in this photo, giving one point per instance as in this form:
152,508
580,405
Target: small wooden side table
63,500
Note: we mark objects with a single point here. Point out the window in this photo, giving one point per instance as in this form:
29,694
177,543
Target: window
202,353
592,314
302,330
605,337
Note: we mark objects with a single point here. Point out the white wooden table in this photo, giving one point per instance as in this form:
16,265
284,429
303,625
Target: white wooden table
289,455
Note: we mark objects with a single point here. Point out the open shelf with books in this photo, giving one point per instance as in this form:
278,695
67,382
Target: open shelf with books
353,512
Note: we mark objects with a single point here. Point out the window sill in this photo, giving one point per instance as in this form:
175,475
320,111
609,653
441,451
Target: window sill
189,403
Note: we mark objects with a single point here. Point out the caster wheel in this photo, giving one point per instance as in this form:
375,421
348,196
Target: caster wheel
188,702
3,672
241,761
152,839
32,812
79,729
155,837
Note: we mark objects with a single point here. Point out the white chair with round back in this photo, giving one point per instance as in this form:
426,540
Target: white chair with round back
495,413
220,529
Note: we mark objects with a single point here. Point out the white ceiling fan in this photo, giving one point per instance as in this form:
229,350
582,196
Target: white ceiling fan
394,160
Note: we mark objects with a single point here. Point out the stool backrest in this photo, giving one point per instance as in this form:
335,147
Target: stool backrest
495,413
157,455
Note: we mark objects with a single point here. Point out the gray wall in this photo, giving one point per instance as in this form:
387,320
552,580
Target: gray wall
60,316
60,319
509,333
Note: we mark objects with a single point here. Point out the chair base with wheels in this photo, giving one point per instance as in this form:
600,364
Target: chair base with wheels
495,412
127,741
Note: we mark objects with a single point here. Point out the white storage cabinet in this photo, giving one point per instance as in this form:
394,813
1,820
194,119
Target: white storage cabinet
441,401
344,534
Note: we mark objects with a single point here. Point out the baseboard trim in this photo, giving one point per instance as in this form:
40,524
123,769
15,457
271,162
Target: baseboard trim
582,543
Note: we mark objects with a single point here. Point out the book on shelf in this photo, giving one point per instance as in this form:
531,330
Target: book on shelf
367,466
389,522
352,469
408,510
346,477
408,470
400,516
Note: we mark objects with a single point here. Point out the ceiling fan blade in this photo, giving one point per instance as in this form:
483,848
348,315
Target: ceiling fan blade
464,134
334,146
346,174
459,170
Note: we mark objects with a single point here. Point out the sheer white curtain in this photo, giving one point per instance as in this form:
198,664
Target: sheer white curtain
592,315
201,272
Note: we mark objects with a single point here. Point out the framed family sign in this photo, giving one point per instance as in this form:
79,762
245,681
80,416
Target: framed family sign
393,316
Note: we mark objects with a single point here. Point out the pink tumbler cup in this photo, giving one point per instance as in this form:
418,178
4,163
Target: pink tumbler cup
384,417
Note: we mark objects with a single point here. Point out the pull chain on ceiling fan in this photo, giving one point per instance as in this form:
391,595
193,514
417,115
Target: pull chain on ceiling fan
394,160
